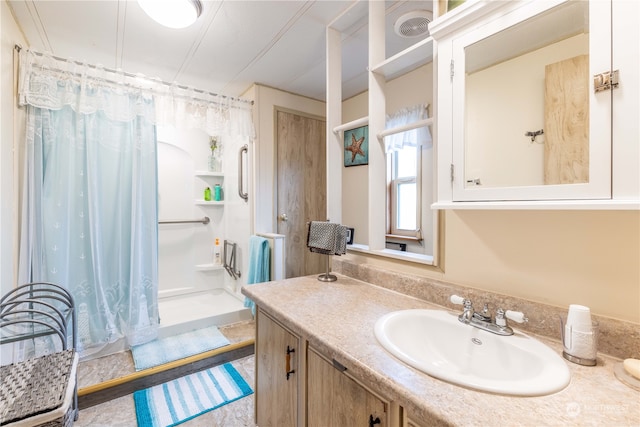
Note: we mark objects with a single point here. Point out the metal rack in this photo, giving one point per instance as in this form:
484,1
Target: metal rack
36,310
229,259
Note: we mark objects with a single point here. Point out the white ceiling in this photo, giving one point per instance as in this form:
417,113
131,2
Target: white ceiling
233,44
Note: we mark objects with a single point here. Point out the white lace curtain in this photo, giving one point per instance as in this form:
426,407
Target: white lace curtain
50,82
89,215
411,138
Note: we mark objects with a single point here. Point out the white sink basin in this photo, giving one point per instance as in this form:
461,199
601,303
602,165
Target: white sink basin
435,342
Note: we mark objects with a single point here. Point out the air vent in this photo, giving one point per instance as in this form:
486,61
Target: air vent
413,24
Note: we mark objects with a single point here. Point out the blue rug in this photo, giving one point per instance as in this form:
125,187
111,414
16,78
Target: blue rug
180,400
177,347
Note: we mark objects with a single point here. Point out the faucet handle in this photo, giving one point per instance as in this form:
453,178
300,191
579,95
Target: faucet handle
485,310
455,299
516,316
468,305
500,319
502,316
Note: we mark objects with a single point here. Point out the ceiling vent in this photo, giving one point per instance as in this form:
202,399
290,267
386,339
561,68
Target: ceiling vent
413,24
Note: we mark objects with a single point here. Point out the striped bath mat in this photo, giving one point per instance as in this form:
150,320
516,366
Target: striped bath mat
177,347
180,400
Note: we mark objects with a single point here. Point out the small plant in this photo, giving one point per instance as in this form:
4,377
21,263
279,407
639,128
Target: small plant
213,144
215,159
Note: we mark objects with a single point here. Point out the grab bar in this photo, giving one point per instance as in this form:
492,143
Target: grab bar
241,193
204,221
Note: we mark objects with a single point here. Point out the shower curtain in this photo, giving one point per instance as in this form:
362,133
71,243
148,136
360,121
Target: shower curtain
89,214
89,217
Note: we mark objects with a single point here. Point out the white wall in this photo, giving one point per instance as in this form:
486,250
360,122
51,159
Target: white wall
11,131
181,154
182,246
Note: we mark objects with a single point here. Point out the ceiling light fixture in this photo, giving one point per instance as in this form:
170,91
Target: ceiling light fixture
172,13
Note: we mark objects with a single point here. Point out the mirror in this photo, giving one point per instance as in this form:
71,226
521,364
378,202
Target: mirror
526,117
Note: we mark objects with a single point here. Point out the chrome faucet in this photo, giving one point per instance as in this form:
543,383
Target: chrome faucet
467,314
483,319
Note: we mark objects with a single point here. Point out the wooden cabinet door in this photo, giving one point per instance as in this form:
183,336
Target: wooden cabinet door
336,400
277,352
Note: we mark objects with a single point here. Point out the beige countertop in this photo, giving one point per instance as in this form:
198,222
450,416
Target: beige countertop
338,319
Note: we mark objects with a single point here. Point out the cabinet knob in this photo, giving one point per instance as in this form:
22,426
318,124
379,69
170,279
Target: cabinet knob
283,217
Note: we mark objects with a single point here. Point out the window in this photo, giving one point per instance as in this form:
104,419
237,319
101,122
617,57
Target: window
404,192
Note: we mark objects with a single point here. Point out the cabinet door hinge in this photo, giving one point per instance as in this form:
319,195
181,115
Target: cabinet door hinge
452,172
605,81
451,70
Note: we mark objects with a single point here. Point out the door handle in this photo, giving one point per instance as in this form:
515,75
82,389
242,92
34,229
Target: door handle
288,369
283,217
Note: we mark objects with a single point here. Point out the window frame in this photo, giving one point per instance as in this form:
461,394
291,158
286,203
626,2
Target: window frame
392,197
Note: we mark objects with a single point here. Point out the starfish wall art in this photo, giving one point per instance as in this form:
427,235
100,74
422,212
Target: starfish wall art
356,146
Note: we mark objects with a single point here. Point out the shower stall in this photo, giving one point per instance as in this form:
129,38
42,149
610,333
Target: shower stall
194,291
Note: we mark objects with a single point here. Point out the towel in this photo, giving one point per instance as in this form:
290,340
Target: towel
259,265
327,238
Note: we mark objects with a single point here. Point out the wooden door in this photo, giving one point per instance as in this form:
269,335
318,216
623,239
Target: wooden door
277,355
301,187
335,400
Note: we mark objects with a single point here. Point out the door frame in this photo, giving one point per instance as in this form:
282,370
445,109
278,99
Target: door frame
278,109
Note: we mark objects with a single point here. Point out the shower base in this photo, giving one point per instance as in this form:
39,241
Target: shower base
184,313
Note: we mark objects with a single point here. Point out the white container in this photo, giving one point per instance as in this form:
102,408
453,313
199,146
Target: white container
217,253
583,345
579,318
580,336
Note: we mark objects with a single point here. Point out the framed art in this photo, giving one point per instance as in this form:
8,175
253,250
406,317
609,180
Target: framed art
356,146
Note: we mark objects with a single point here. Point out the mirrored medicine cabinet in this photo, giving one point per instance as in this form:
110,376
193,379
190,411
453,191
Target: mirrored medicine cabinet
527,122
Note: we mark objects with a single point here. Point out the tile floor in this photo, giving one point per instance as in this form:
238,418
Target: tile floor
121,411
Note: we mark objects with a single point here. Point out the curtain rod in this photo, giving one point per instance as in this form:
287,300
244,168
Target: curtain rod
131,75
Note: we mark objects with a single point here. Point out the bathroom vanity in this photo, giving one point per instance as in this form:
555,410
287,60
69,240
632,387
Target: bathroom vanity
318,363
287,363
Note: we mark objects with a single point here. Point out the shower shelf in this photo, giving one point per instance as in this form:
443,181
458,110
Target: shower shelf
208,173
208,267
212,202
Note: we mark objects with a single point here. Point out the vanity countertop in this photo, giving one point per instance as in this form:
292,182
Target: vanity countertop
338,318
